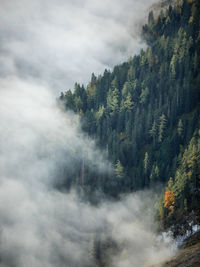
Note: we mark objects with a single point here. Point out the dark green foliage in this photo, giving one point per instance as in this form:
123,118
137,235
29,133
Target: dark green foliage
185,188
145,110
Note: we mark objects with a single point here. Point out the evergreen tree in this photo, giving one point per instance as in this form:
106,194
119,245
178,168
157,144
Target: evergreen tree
145,112
119,169
162,127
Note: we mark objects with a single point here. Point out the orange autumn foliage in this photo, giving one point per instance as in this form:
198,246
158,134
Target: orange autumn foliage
169,200
191,1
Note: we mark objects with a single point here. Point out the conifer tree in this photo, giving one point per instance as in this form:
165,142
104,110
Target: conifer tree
119,169
162,127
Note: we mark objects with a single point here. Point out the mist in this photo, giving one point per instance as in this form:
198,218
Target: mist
58,43
46,46
42,226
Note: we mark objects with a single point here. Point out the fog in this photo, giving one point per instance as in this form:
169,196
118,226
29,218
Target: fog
58,43
46,46
41,226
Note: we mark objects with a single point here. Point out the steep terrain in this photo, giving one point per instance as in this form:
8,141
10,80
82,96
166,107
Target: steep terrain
146,115
189,254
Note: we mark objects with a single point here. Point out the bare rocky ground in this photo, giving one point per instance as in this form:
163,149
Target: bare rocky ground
187,256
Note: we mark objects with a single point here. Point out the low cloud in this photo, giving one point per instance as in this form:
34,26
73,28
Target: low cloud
46,46
58,43
41,226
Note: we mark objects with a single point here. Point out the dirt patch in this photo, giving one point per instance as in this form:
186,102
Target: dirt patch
187,256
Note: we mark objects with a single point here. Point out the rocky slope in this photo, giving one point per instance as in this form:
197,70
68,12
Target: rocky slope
188,255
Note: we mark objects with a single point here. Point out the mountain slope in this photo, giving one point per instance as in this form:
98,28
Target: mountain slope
147,110
188,256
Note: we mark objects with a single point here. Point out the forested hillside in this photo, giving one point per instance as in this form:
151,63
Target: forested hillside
146,114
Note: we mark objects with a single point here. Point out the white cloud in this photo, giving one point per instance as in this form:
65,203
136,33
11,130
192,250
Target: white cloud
41,226
61,42
52,44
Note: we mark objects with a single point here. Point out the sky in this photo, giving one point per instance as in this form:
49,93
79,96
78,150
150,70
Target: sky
59,42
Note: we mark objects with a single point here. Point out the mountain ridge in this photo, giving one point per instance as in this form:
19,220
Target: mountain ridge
146,115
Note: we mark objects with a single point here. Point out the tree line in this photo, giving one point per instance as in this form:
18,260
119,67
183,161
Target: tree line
145,114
